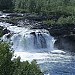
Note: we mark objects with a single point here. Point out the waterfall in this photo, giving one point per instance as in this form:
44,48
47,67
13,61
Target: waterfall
32,44
32,40
23,39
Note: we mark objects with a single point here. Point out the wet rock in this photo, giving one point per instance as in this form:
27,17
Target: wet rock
33,33
64,35
61,30
35,17
66,43
1,28
5,31
9,35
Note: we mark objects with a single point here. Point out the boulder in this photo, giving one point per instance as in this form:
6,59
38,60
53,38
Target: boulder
5,31
66,43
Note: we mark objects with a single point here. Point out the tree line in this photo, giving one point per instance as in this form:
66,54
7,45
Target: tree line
57,11
39,6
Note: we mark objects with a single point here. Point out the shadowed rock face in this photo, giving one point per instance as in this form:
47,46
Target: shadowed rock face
64,35
3,30
66,43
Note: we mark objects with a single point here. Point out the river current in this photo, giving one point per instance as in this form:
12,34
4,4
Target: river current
39,45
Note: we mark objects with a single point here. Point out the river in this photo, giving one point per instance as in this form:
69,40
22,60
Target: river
38,44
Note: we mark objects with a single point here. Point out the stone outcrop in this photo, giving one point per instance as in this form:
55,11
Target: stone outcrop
3,31
66,43
64,35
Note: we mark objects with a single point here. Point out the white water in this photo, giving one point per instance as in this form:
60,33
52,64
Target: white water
24,39
30,44
38,44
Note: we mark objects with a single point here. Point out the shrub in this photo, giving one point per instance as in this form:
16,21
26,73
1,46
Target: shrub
15,67
67,20
49,22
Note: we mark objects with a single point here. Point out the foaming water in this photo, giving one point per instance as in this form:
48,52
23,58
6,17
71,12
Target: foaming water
43,57
50,63
31,40
39,45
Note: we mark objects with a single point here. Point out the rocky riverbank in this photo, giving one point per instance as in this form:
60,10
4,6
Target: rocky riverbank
65,37
64,34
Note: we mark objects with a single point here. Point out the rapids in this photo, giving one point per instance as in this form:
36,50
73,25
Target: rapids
38,44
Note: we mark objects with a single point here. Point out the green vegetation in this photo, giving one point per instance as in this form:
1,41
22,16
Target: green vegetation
6,4
46,6
57,11
61,21
1,31
40,6
49,22
15,67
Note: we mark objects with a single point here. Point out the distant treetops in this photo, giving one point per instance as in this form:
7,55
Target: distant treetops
39,6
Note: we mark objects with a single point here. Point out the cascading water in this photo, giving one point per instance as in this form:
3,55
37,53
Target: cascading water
32,40
38,44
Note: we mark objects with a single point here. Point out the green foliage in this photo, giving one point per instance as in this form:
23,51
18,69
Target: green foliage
44,5
1,34
1,31
67,20
26,68
49,22
39,6
61,21
5,4
15,67
5,59
58,11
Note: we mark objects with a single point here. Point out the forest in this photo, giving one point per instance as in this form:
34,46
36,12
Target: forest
39,6
15,66
58,12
